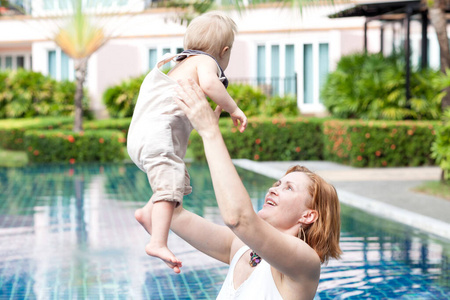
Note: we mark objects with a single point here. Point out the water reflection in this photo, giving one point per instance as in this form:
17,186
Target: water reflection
69,232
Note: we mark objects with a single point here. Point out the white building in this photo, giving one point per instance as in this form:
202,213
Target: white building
278,48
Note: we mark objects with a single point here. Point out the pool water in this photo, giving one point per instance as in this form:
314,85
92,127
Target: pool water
68,232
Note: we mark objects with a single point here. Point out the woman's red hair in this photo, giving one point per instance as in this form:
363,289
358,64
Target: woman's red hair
322,235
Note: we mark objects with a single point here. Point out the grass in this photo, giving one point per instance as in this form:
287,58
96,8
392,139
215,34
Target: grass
435,188
13,158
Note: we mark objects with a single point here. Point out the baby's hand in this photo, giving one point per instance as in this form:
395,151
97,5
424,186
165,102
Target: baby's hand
238,116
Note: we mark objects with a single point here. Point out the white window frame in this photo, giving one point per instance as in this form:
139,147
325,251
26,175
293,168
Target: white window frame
315,106
14,55
58,65
159,53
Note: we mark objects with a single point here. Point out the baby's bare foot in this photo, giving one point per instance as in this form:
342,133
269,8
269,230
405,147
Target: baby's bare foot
162,252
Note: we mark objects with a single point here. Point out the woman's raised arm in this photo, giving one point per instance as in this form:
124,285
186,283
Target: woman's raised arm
282,251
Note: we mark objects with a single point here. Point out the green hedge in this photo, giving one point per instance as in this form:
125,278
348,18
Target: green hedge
67,146
379,143
269,139
12,130
351,142
117,124
25,94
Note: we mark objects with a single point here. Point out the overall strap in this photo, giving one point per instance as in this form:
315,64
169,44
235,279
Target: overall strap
186,53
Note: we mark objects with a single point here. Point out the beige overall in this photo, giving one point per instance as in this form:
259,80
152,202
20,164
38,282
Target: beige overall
158,136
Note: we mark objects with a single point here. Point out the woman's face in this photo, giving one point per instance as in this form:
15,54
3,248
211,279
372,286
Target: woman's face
286,201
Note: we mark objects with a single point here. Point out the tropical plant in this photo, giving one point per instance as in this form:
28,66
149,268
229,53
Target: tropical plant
441,147
121,99
27,94
371,86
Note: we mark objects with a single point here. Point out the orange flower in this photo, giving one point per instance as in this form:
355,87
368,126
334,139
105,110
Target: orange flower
233,130
256,157
101,140
393,147
410,132
359,158
367,135
298,149
30,148
378,153
123,140
36,152
258,141
71,139
384,163
72,161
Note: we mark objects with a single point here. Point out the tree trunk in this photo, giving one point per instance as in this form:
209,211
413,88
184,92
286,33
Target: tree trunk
80,76
439,22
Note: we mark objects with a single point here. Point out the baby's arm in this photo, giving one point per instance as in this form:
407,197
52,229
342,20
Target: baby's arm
214,88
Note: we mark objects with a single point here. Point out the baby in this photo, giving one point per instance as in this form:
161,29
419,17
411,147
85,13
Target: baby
159,130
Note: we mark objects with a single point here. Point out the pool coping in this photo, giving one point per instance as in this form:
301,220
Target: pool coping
370,205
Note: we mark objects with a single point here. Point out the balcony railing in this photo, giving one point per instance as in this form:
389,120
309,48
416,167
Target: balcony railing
272,86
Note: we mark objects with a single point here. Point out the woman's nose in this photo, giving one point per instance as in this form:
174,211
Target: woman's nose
273,190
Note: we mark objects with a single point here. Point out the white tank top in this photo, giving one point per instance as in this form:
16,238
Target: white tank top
259,285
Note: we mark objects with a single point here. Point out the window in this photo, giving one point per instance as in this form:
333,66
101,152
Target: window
275,66
15,61
156,53
60,66
323,65
52,63
64,66
20,62
290,78
152,58
261,65
315,71
65,4
308,73
8,62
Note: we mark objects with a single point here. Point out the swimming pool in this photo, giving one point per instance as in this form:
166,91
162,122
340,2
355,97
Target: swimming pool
68,232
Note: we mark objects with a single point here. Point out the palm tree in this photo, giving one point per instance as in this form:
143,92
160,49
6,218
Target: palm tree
436,11
79,38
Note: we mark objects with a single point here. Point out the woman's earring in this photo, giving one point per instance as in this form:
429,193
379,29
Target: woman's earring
301,233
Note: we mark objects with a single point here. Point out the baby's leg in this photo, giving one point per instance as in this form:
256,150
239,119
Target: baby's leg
161,217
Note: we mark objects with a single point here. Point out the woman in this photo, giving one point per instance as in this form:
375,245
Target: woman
275,253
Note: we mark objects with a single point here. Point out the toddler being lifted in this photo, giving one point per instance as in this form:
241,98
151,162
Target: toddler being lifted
159,130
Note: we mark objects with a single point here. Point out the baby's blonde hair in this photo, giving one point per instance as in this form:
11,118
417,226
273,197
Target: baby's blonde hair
210,33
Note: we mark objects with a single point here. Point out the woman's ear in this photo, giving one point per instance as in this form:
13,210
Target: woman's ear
309,216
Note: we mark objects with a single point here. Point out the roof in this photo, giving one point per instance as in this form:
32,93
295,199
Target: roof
376,9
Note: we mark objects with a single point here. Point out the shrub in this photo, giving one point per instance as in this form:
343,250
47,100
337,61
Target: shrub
441,147
25,94
248,98
120,100
269,139
379,143
12,130
371,86
67,146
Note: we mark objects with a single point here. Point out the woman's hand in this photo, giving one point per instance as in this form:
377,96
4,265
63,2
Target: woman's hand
193,102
